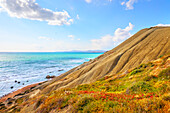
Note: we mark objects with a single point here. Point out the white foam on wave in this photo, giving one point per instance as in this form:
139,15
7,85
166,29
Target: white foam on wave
77,61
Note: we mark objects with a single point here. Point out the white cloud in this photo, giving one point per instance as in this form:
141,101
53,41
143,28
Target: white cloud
78,17
71,36
129,4
97,1
29,9
1,10
45,38
103,43
88,1
123,3
121,34
164,25
108,41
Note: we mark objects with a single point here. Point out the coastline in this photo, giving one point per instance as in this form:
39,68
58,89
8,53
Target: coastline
22,90
29,68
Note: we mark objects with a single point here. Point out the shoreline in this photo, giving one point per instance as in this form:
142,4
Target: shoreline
12,94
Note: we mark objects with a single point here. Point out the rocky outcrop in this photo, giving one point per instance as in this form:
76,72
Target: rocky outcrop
48,76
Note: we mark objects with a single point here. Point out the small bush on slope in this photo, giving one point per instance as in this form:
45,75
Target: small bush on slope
165,74
142,87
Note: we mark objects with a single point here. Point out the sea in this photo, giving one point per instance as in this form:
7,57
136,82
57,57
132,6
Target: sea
30,68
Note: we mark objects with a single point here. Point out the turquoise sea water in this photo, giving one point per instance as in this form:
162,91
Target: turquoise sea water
29,68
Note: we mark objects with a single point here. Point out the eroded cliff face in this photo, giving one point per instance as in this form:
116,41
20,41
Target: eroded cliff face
146,45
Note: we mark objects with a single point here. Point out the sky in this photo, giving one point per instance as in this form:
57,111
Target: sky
65,25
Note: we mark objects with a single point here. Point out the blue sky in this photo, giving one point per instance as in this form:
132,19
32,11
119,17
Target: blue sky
63,25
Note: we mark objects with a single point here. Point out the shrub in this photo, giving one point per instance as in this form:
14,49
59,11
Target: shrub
19,100
166,97
95,106
102,87
143,66
165,73
161,56
110,104
148,78
83,87
100,107
142,86
136,71
101,79
163,88
83,102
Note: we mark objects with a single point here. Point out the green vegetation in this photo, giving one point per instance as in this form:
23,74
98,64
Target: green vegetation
165,74
138,91
143,89
161,56
136,71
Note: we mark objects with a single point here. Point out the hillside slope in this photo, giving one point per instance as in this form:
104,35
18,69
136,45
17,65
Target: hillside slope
144,46
145,88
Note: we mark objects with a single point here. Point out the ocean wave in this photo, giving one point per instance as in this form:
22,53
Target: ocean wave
77,61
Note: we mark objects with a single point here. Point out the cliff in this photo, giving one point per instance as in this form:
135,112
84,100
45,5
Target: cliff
146,45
